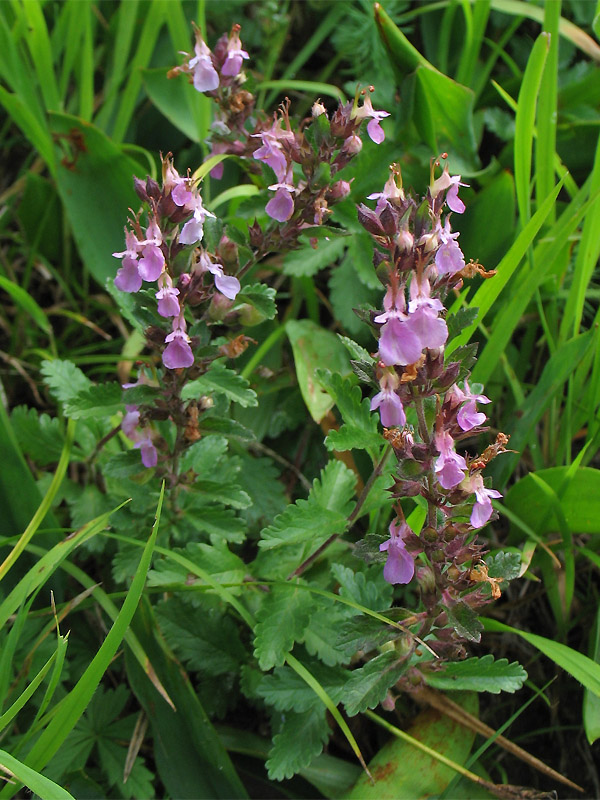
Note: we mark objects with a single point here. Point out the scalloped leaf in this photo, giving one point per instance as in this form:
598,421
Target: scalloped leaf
300,739
281,621
285,690
479,675
222,380
368,685
100,400
324,513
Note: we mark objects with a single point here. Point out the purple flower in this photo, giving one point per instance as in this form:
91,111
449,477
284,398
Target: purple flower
148,451
193,230
128,278
168,304
235,54
400,565
391,191
374,129
423,316
152,263
387,401
130,421
228,285
398,344
178,353
482,510
451,183
281,207
449,258
468,417
206,77
449,467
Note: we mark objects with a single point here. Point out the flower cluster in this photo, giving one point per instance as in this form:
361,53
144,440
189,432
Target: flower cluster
304,160
176,218
419,260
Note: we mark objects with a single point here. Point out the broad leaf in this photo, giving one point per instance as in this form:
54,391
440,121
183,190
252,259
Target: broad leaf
478,675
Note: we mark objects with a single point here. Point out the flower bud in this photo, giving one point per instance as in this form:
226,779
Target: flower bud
438,556
430,534
405,241
219,307
339,190
249,316
318,109
227,253
352,146
426,579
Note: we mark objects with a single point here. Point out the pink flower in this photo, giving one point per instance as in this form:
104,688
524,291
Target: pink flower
482,510
148,451
193,230
235,54
168,304
400,565
206,77
449,258
374,129
178,353
468,417
398,344
281,206
128,278
391,191
228,285
451,183
152,263
449,467
424,320
387,401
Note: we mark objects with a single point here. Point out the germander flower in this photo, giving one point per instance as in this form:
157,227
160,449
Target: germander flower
449,258
228,285
450,468
374,129
387,401
482,510
398,344
235,54
168,304
400,565
178,353
206,77
468,417
451,183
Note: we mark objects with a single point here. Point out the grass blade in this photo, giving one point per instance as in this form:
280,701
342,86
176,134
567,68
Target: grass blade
75,703
39,785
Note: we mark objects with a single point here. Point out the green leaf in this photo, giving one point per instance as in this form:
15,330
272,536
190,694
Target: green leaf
97,218
27,303
350,438
591,701
174,98
314,347
40,785
478,675
357,352
39,435
261,297
219,523
368,589
582,668
100,400
355,411
285,690
401,770
225,427
227,493
281,621
206,640
307,261
64,379
221,380
321,636
299,740
464,621
366,633
504,565
73,704
456,322
324,513
368,685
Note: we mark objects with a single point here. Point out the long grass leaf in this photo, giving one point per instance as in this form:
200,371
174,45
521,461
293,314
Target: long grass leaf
45,566
75,703
26,695
471,49
546,256
153,24
126,19
487,294
38,42
46,503
526,105
546,112
41,786
582,668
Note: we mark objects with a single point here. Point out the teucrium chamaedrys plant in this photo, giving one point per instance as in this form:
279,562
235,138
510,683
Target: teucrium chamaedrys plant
237,555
